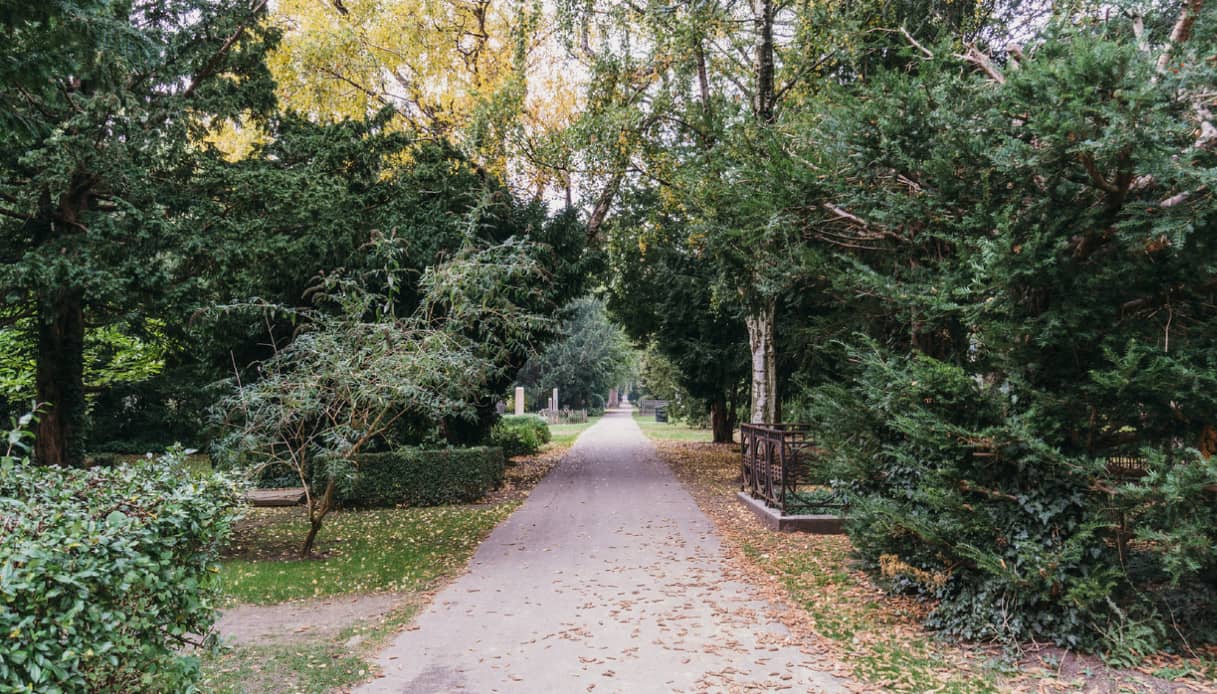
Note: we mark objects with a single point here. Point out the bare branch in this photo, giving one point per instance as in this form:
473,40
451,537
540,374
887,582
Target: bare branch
1179,198
843,214
603,203
984,62
915,44
802,73
1096,176
1181,32
366,90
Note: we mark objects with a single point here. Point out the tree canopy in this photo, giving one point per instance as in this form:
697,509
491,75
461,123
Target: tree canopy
970,244
591,356
102,103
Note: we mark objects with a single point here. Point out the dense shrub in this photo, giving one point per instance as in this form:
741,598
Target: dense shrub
105,572
419,477
1025,330
520,434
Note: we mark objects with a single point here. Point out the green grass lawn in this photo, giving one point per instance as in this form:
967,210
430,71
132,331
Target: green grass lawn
361,551
407,551
565,434
671,430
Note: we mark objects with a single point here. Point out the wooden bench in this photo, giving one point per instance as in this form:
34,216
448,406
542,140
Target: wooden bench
284,496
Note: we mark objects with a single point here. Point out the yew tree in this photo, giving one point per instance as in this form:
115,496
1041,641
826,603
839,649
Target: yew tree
103,104
663,292
1025,247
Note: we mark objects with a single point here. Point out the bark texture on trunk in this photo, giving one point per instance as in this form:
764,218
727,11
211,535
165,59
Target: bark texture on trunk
761,319
60,432
763,99
764,372
722,420
320,507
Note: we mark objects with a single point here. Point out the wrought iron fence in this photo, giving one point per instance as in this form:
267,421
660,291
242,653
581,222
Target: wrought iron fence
779,466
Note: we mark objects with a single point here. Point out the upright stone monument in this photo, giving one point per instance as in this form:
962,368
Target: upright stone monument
519,400
555,405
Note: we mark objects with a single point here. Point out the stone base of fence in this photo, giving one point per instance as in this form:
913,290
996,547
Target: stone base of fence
774,520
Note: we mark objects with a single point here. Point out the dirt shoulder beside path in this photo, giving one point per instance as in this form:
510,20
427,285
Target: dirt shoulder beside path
875,637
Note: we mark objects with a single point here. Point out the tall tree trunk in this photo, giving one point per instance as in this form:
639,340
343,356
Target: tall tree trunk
761,320
722,420
764,98
761,327
60,431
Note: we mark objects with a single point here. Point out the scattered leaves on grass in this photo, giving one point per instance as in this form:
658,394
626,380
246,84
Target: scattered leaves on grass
360,551
411,552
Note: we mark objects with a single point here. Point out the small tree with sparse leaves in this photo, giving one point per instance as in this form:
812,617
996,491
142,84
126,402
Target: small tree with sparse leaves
356,370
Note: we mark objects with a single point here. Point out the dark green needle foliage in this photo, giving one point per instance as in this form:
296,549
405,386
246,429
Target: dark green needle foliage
101,102
1029,265
591,356
664,292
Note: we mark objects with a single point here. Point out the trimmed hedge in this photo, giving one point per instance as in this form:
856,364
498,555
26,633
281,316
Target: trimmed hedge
105,572
420,477
520,434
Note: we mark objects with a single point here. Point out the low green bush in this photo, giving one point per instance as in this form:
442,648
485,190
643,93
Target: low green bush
420,477
106,572
520,434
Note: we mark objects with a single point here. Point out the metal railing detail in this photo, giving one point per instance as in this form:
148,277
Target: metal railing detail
778,466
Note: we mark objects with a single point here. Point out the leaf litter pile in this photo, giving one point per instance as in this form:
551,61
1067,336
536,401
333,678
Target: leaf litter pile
878,636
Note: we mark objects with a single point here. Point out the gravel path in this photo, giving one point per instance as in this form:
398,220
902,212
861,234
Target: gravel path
608,579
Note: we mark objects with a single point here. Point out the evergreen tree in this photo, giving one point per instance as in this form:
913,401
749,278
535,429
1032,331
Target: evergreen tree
103,104
591,356
1026,251
663,292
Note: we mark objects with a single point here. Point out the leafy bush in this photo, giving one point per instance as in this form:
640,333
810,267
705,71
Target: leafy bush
105,572
419,477
520,434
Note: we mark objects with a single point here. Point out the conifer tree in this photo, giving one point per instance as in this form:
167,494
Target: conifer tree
1026,246
104,102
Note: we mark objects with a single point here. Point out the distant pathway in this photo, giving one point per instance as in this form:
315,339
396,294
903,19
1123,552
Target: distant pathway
608,579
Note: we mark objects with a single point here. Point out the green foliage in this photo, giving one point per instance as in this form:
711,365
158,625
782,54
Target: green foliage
422,477
106,573
101,117
660,379
591,356
664,294
356,372
1024,272
520,434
